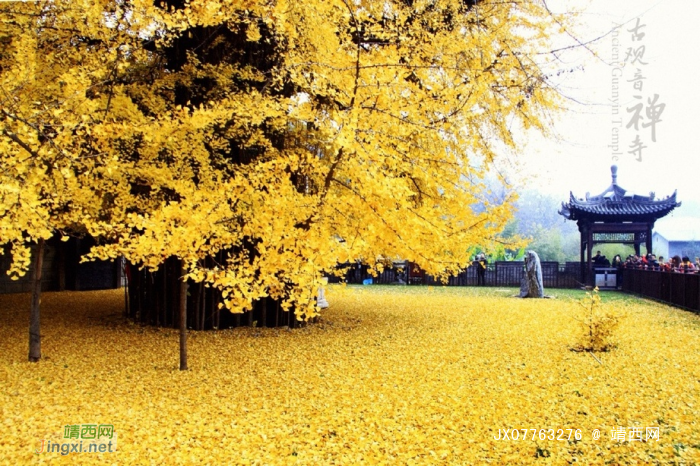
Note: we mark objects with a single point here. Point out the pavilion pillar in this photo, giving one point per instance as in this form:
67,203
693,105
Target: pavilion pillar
589,254
583,258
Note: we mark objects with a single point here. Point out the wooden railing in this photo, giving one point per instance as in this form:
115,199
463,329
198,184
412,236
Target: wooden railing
677,289
507,274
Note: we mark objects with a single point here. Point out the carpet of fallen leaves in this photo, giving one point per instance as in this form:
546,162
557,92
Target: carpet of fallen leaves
390,375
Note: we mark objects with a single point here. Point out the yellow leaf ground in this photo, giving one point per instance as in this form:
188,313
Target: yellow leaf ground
391,375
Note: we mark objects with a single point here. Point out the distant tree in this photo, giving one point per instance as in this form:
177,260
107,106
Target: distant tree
537,219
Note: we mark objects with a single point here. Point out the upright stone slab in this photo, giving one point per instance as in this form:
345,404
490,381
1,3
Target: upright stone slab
321,299
531,285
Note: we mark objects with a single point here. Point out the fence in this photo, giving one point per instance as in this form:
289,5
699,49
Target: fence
678,289
62,269
507,274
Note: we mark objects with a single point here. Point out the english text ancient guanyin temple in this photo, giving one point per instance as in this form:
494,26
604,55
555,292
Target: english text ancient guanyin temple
615,216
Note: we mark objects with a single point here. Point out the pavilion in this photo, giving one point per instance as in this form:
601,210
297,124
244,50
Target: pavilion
615,216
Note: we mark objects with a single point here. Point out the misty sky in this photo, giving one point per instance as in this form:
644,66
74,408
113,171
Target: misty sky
579,159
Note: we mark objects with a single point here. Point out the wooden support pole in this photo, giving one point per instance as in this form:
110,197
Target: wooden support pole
34,312
183,317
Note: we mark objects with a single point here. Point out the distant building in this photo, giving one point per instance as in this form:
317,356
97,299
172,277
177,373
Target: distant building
677,236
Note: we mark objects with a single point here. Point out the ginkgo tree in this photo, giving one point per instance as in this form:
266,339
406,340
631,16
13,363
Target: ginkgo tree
55,57
288,136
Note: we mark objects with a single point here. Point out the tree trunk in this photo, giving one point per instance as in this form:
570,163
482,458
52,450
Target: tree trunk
263,312
61,259
183,318
202,307
34,321
127,288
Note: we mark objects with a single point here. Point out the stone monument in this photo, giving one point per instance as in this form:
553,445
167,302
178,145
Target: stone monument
321,301
531,285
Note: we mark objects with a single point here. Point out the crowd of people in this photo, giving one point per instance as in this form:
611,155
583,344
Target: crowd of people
649,262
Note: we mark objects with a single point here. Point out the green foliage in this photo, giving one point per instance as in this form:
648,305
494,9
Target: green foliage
502,253
537,219
549,245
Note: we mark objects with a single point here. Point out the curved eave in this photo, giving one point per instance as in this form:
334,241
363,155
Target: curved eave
623,213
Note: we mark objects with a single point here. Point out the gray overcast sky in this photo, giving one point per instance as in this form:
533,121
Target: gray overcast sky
579,160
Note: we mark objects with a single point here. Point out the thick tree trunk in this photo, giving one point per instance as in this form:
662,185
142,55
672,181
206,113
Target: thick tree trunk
183,318
34,321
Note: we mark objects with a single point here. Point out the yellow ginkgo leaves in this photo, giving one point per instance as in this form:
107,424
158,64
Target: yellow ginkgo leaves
393,375
283,136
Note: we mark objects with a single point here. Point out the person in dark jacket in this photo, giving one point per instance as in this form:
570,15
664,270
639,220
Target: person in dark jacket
480,264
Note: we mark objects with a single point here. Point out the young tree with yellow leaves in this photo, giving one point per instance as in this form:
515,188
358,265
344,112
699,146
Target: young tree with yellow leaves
290,136
55,59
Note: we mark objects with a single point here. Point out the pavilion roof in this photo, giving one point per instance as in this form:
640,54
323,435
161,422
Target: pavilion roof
617,204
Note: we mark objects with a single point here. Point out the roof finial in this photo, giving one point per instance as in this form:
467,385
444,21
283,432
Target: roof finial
613,169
